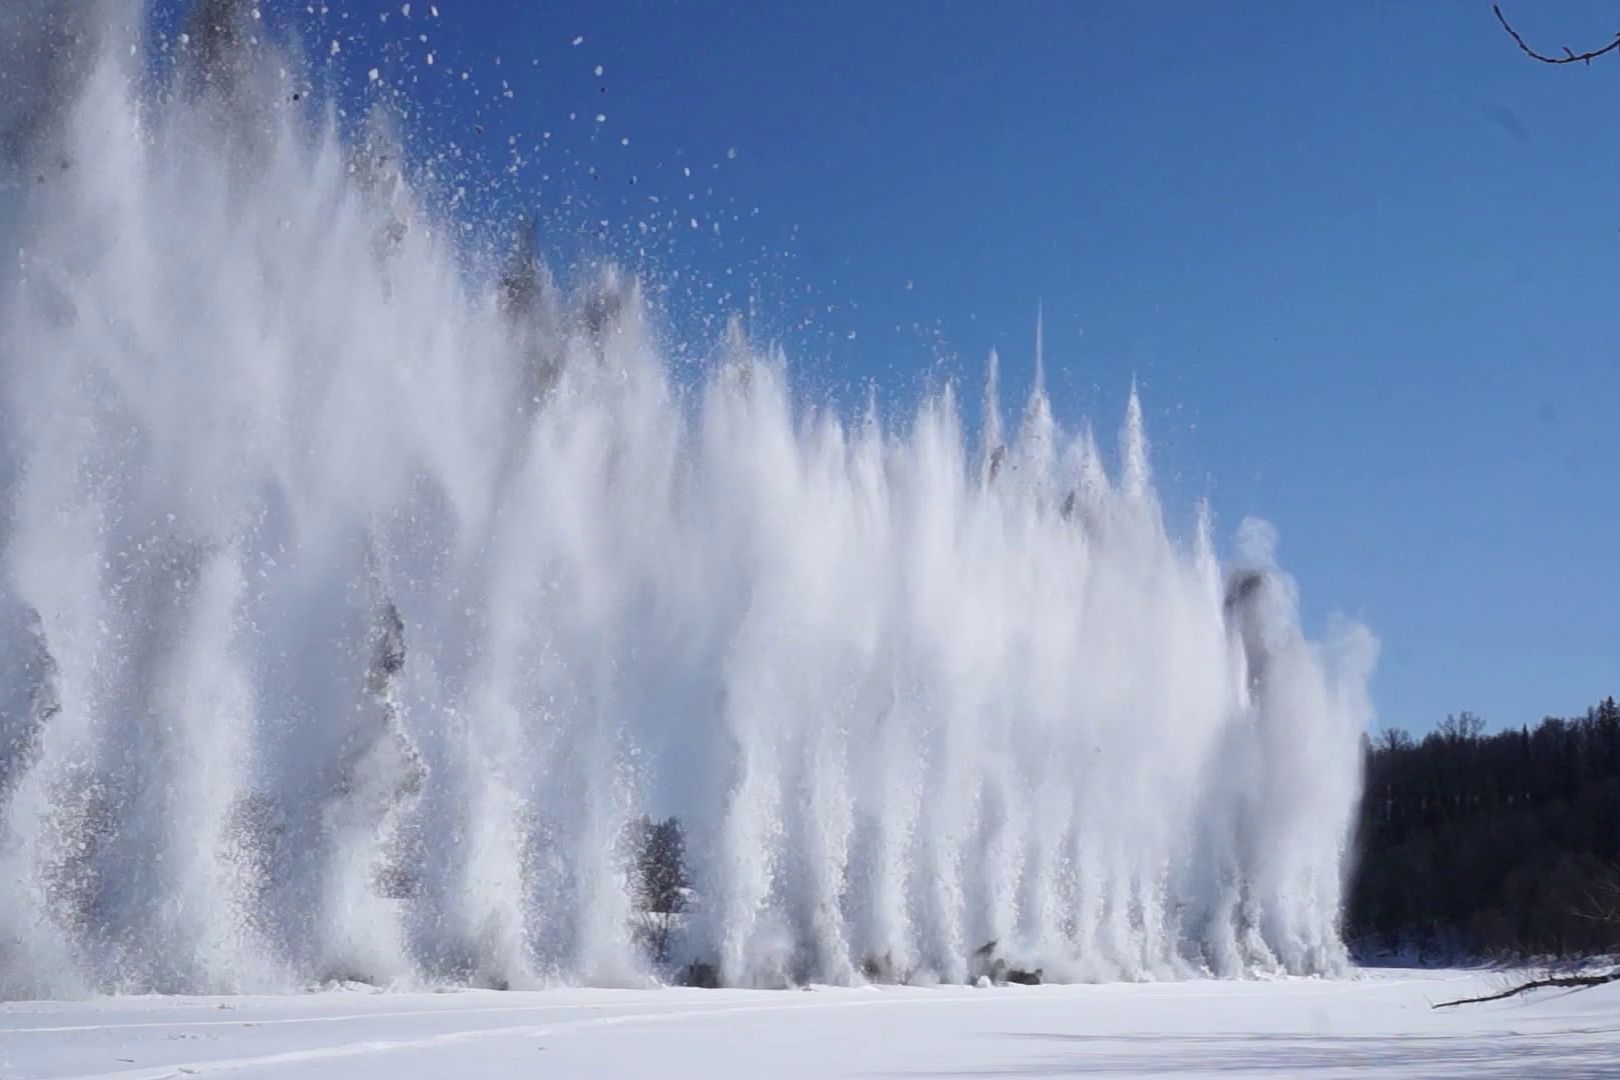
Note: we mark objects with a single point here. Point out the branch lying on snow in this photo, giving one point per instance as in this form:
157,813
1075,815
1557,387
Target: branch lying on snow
1567,58
1578,982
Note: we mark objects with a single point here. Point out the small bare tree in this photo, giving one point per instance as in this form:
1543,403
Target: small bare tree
1601,905
658,882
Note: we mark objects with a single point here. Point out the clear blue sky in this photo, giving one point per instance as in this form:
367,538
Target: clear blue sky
1363,258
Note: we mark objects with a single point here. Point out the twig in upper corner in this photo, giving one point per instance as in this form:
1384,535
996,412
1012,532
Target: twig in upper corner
1568,57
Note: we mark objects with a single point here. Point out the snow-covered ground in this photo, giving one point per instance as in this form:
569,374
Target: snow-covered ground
1380,1022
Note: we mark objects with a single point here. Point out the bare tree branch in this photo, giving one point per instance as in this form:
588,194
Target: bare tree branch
1568,57
1576,982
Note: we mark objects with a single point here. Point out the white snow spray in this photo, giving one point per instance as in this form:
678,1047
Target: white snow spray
353,604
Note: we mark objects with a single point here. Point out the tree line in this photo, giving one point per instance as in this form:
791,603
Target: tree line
1500,844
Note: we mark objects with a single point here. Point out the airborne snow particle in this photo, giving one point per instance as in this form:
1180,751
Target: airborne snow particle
598,71
731,153
580,40
373,75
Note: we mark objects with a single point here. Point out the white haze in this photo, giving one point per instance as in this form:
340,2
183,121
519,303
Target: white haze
353,601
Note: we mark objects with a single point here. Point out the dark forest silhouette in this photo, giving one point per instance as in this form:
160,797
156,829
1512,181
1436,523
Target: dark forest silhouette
1503,844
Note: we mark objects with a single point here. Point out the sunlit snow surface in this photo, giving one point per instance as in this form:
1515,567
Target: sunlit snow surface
1380,1024
356,588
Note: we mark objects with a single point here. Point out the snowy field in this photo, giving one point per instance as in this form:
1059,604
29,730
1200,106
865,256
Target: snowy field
1380,1023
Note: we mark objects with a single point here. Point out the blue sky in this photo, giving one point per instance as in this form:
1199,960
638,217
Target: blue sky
1362,258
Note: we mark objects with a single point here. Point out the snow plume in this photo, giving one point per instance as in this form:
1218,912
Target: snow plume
355,603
